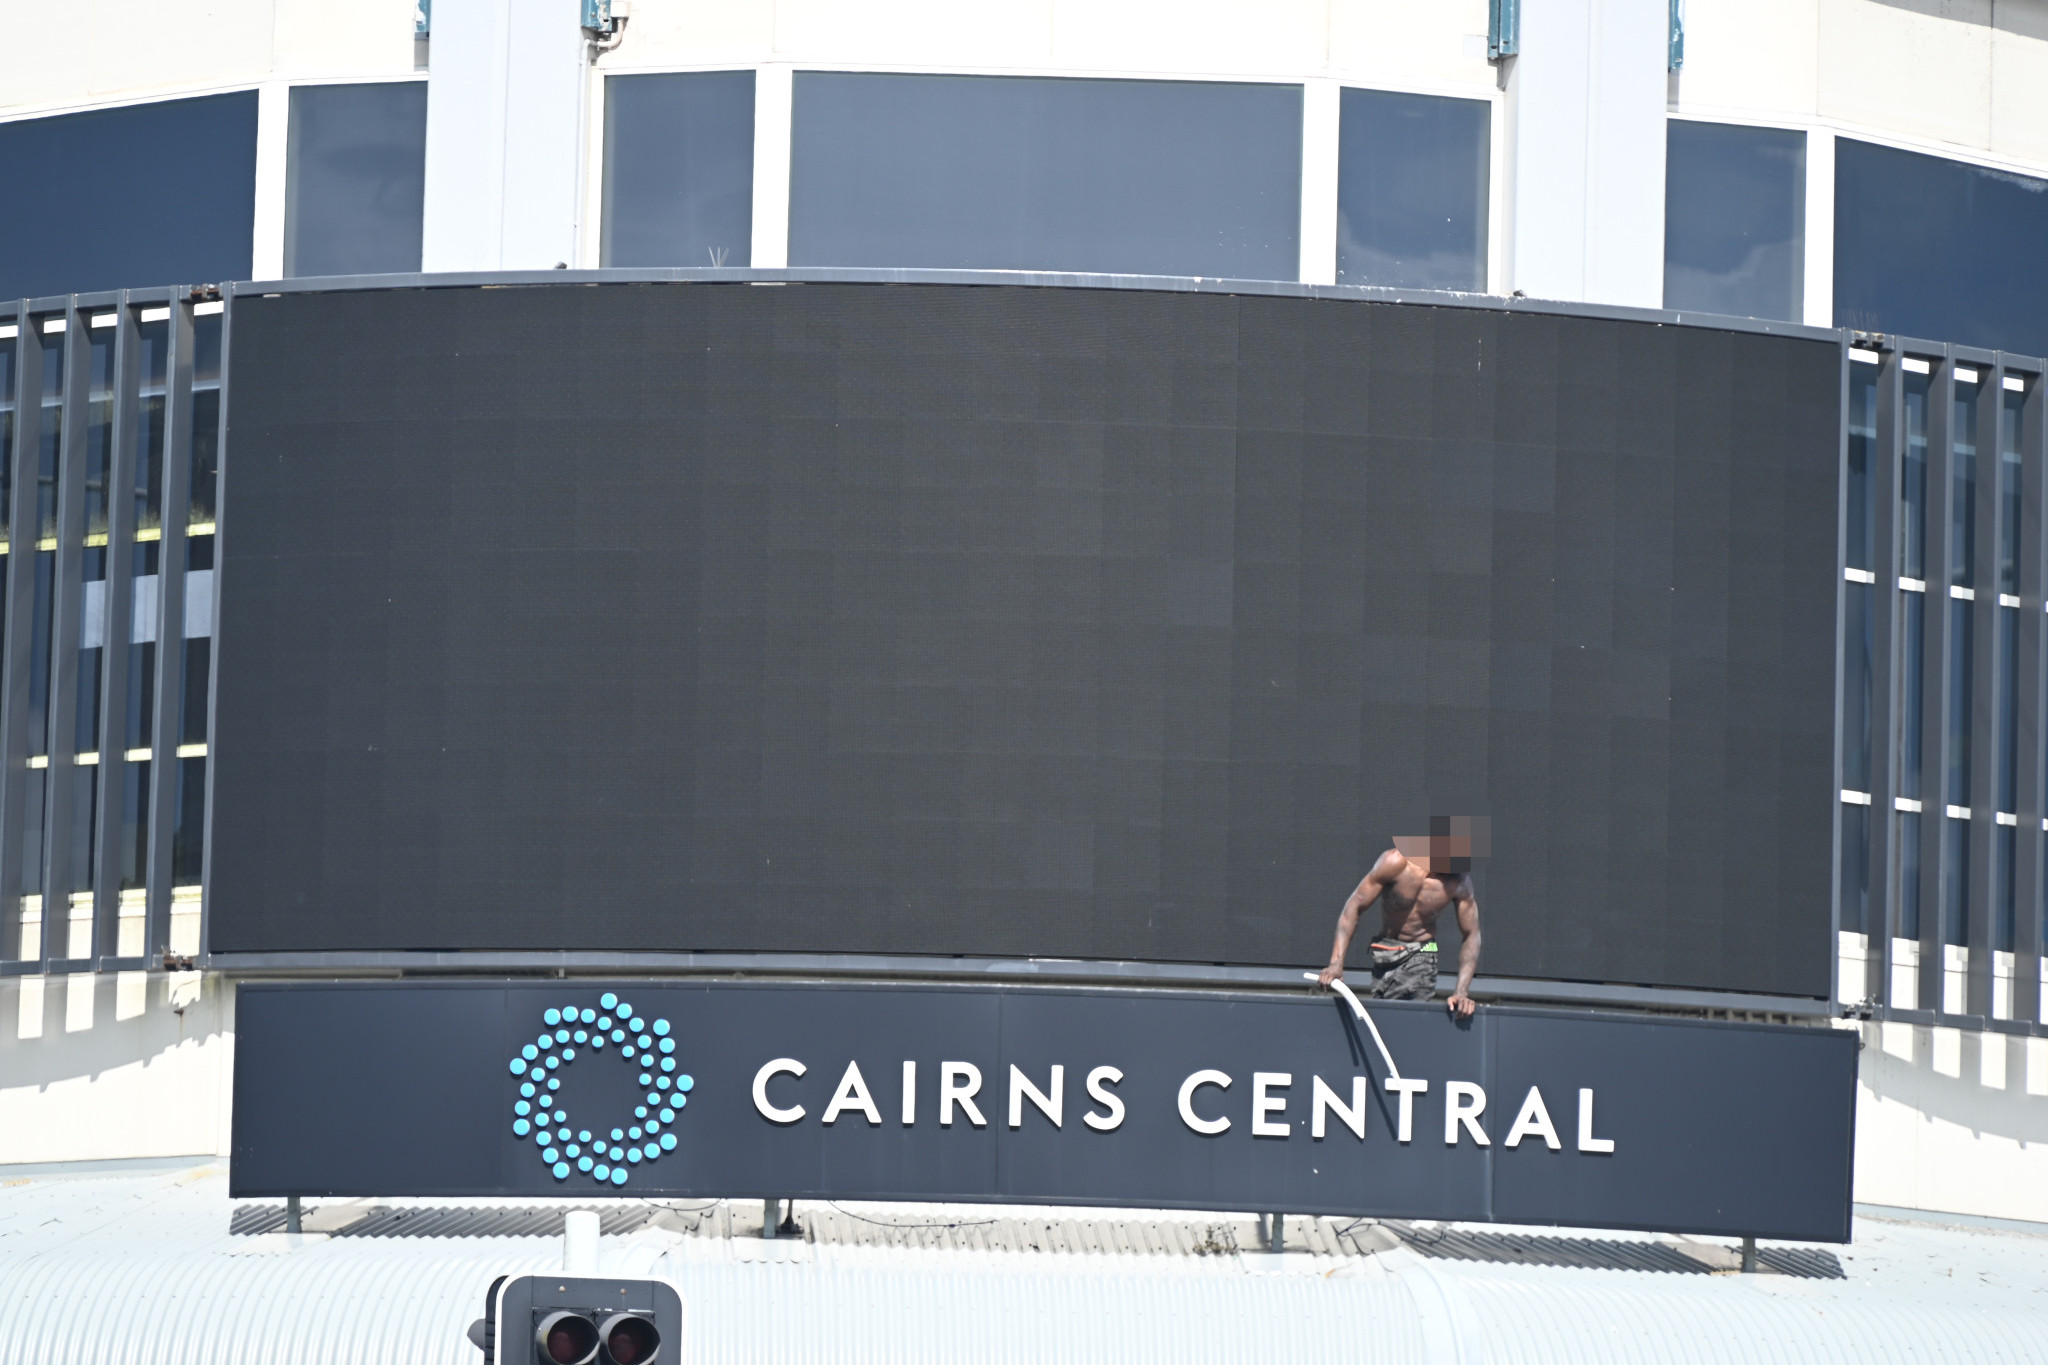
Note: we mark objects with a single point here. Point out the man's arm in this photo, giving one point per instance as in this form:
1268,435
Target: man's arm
1468,950
1347,920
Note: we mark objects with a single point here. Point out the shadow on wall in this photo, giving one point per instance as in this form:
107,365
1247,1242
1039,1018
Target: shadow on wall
1925,1083
2022,20
68,1028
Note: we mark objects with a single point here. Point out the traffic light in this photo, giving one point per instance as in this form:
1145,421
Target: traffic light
575,1320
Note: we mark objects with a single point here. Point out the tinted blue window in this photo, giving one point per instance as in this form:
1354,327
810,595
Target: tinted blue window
1028,173
356,168
1855,868
1929,247
1411,191
679,169
1955,882
123,198
1735,220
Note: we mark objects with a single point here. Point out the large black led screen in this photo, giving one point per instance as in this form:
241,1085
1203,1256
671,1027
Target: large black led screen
1019,621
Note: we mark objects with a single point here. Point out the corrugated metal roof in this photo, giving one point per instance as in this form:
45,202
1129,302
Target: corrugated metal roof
384,1220
828,1224
1680,1256
150,1267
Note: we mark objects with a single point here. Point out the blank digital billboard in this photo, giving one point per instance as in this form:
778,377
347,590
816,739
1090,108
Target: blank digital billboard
1002,621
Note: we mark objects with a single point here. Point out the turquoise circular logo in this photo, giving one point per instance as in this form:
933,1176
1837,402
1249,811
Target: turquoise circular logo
609,1151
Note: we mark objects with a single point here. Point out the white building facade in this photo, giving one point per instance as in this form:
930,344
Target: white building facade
1714,156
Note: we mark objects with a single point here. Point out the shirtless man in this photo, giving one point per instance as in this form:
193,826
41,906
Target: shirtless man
1413,882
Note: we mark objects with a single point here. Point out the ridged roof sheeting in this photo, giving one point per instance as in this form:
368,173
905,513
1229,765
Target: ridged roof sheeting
1541,1316
912,1308
145,1268
156,1307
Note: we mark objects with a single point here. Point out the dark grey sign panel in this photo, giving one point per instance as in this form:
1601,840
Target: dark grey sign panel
1171,1100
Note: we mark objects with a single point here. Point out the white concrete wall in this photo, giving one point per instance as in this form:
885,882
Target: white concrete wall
1395,40
1953,1121
105,51
505,123
96,1068
100,51
465,185
1956,75
1586,108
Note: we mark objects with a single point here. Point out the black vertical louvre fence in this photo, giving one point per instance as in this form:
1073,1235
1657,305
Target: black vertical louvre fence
109,443
1942,721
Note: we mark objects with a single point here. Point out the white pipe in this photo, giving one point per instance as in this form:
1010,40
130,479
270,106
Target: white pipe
1393,1073
579,1242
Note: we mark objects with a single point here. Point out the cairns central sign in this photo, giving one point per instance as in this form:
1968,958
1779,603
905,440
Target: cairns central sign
960,1084
1167,1099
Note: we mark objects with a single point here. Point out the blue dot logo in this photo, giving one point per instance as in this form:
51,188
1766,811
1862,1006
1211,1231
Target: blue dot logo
562,1152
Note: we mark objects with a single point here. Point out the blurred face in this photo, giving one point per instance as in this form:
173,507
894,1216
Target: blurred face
1448,849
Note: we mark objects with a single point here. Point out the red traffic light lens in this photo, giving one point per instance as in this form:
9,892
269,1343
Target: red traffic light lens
567,1339
630,1340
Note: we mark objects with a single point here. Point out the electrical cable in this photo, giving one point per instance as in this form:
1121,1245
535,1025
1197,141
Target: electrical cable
876,1222
701,1208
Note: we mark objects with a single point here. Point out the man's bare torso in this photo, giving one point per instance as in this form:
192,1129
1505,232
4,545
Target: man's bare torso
1413,890
1410,904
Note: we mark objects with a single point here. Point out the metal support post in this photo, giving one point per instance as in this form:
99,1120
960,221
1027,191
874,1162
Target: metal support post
1749,1255
291,1214
771,1214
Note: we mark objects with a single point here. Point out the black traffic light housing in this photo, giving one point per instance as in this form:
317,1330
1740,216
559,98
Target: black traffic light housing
577,1320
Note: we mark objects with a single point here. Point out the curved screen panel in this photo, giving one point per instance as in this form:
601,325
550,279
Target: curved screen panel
1020,621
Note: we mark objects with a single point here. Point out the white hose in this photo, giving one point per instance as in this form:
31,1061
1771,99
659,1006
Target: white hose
1393,1072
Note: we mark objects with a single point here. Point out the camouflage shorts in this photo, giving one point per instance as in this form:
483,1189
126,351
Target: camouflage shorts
1413,979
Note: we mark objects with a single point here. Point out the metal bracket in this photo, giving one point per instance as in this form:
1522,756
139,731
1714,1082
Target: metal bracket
1503,29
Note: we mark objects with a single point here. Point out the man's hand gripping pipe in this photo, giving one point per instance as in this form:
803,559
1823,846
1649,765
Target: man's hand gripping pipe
1393,1072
